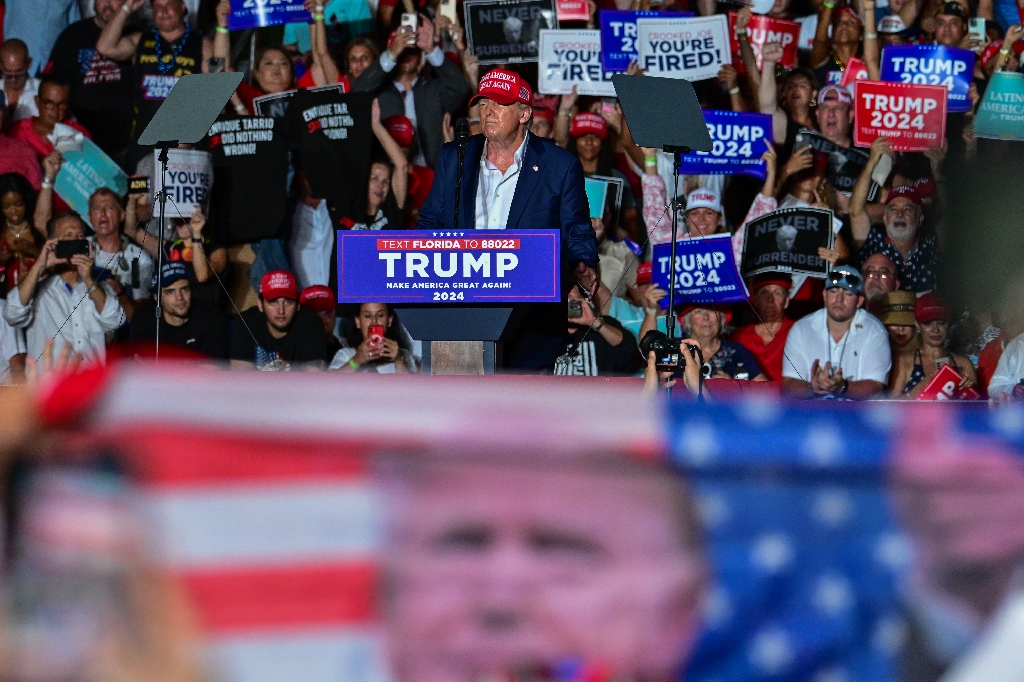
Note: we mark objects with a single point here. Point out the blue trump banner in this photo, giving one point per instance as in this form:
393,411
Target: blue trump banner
932,65
1001,113
619,38
423,266
739,142
705,270
259,13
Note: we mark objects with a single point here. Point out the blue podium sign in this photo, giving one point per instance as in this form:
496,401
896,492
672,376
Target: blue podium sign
426,266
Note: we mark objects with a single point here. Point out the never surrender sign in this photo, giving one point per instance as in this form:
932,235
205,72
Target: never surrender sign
739,142
426,266
571,58
618,35
913,117
694,49
258,13
788,240
762,30
705,271
843,164
507,31
951,67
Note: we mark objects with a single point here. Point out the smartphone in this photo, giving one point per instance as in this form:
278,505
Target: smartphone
66,248
138,185
216,64
976,28
448,9
410,20
575,309
376,335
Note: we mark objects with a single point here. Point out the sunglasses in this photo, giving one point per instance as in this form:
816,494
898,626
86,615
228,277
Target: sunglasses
846,280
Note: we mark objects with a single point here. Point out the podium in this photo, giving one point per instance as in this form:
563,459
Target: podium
457,291
458,340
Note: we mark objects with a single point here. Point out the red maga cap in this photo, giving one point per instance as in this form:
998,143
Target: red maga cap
504,87
318,297
930,308
278,284
586,123
904,192
643,274
400,128
544,113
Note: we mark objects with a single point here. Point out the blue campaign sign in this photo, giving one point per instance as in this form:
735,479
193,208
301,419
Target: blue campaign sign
705,270
259,13
739,142
426,266
618,35
932,65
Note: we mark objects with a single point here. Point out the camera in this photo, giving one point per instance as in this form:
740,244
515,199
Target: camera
667,356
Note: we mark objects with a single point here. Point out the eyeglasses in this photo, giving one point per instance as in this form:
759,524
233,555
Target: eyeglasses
50,104
879,274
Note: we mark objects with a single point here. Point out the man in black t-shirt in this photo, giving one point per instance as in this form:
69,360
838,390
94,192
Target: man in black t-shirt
101,89
196,327
600,345
278,334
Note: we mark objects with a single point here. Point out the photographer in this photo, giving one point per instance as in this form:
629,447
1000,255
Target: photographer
378,352
50,300
598,345
655,378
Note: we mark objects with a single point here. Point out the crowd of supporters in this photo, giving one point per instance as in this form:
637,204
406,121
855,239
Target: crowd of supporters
876,326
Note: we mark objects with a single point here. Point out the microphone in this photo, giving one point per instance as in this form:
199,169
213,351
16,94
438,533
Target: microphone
462,132
461,140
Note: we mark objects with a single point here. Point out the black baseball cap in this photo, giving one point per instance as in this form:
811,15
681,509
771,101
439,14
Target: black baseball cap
954,8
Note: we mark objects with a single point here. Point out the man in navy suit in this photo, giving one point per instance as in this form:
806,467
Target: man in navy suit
512,179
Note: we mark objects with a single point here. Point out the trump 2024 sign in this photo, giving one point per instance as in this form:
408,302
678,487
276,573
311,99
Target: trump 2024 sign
912,116
427,266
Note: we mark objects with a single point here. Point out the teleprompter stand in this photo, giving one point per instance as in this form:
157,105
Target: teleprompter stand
185,117
663,113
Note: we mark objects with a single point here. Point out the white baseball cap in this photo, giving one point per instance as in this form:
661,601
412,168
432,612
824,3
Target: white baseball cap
702,197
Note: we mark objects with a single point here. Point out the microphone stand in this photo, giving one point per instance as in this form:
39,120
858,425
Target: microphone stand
163,147
461,140
676,153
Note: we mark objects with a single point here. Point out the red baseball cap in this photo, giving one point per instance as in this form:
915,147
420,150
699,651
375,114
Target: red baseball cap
586,123
318,297
643,274
848,10
990,52
400,128
835,92
278,284
544,113
930,308
504,87
778,278
904,192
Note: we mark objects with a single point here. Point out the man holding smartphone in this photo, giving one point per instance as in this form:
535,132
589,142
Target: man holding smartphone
49,302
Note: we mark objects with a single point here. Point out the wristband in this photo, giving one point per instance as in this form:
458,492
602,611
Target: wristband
222,29
240,109
871,36
741,34
1005,52
47,184
829,4
319,9
352,361
734,91
650,160
126,9
318,17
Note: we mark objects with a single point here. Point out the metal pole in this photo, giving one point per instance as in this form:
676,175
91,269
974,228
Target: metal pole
160,247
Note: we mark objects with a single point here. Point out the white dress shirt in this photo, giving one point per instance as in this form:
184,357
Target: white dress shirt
65,313
494,190
27,102
1010,369
863,352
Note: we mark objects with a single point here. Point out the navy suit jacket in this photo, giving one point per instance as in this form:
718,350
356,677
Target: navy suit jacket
550,194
